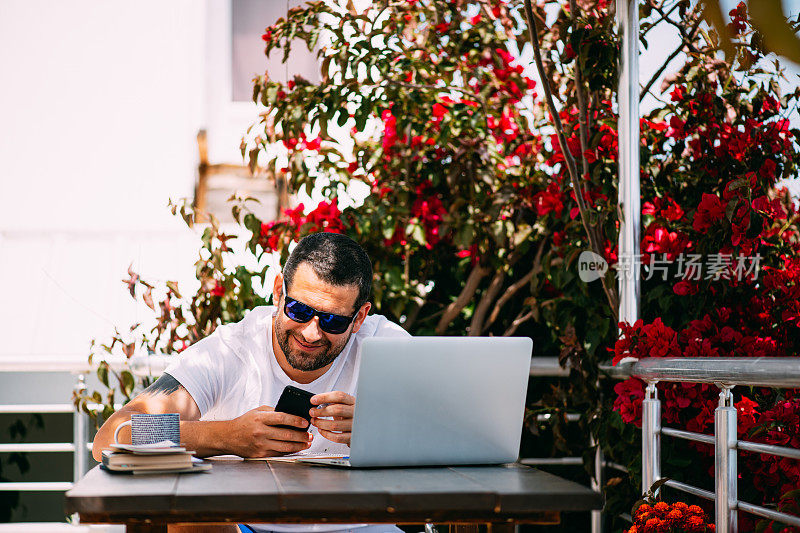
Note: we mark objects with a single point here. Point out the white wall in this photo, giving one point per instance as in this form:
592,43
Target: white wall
100,102
98,110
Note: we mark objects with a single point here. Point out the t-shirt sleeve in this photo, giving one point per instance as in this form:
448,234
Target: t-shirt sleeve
387,328
200,368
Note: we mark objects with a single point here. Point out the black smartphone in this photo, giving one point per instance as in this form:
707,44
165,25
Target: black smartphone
295,402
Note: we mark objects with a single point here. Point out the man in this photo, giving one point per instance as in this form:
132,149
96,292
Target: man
226,385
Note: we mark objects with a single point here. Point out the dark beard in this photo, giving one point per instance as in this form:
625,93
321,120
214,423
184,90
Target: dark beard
301,361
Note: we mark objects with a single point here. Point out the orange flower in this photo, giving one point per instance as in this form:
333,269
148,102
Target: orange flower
695,510
661,508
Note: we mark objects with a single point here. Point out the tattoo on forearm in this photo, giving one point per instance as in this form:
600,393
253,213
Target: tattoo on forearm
166,384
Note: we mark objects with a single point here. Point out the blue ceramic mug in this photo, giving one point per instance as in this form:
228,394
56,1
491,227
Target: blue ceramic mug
149,429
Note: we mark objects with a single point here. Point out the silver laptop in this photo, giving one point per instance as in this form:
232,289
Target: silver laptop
438,401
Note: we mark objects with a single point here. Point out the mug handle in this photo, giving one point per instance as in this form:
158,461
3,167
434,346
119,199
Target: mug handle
116,431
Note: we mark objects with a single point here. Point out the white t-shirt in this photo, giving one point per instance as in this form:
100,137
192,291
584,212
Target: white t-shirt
235,370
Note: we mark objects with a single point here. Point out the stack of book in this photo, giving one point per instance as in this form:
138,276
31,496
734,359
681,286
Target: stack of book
160,458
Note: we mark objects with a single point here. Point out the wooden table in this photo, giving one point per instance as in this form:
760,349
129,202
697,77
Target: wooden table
238,491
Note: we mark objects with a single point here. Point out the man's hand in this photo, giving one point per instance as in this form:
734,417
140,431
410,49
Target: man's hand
254,433
340,406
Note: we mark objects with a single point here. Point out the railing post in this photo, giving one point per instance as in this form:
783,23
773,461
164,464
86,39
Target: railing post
79,434
597,485
725,469
651,437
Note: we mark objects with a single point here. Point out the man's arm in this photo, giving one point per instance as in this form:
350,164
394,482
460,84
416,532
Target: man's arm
250,435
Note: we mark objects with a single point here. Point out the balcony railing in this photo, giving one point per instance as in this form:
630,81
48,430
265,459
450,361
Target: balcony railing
78,447
725,373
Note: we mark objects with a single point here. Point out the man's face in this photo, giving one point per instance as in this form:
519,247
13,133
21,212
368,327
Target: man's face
305,346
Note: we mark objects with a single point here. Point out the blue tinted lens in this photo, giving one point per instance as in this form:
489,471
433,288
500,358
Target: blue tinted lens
298,311
334,323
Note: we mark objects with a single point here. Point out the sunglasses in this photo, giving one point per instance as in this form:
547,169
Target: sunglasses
328,322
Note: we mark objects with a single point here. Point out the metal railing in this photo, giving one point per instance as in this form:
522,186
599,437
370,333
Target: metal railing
725,373
550,367
79,446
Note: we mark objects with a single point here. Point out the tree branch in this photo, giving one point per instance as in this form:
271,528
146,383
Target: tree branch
582,125
583,129
559,127
572,168
664,16
452,310
672,56
681,27
517,285
476,324
517,321
412,316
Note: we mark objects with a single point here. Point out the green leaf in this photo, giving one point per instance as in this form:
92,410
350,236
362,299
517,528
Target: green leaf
737,184
730,209
418,234
102,373
173,286
465,235
126,383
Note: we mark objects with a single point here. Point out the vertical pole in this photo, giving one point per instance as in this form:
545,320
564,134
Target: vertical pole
725,468
651,437
597,485
628,187
79,434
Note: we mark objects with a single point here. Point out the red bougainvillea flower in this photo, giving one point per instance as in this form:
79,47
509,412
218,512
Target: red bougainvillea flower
658,340
630,394
296,215
439,110
659,240
664,207
684,288
326,217
389,129
270,238
429,211
628,337
549,200
771,208
738,23
709,212
676,128
218,290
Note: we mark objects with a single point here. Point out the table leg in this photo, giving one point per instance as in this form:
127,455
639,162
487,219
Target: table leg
466,528
502,527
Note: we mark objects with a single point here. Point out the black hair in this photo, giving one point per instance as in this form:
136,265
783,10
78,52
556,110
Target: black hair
336,259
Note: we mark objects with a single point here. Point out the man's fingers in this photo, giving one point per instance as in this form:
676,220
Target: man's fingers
335,410
290,435
288,447
343,438
332,425
276,418
333,397
266,408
